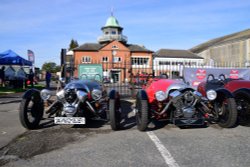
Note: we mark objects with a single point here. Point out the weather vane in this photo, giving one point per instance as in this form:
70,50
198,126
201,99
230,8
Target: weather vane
112,11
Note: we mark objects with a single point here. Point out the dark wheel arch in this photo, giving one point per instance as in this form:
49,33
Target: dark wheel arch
223,93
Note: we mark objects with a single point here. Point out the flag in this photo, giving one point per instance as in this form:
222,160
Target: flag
31,56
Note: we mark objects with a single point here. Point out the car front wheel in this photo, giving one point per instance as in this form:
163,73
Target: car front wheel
114,113
227,112
141,114
31,112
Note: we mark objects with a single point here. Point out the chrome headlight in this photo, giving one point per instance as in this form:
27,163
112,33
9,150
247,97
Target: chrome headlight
82,96
60,94
211,94
160,96
96,94
45,94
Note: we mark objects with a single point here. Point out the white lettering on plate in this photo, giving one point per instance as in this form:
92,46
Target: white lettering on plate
69,120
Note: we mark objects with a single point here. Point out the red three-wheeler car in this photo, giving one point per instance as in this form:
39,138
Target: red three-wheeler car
181,105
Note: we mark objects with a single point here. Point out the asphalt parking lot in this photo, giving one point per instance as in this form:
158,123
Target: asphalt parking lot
95,144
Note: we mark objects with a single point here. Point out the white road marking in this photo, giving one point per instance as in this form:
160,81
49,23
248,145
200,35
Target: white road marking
162,149
3,132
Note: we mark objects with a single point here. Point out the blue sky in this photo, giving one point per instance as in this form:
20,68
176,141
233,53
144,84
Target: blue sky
47,26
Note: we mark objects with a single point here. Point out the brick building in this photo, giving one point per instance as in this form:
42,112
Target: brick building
118,58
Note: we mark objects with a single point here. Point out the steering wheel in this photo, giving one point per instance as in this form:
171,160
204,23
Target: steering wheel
164,76
210,76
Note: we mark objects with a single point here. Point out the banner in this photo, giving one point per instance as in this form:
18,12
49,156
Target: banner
31,56
90,71
194,76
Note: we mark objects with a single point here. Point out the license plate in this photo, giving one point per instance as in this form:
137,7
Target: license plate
69,120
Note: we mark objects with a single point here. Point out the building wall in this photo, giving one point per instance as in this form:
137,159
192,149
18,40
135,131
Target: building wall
121,52
141,63
115,50
170,65
229,54
78,56
248,50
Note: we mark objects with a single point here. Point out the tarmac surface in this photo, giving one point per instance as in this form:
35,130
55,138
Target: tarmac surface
16,97
10,98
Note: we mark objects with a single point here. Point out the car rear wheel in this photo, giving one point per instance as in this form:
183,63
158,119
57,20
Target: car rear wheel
227,112
142,117
242,98
114,114
31,112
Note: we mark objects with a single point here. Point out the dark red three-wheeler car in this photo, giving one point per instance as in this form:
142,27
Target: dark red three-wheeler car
240,88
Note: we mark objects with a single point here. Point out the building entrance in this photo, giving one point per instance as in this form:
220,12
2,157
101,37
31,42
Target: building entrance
115,76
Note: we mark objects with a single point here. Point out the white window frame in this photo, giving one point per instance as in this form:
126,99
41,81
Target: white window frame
137,61
117,59
115,47
106,57
86,59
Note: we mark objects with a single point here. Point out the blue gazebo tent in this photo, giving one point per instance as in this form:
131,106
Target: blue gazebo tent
11,58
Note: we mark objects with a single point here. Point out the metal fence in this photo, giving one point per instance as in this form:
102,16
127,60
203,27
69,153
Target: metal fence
127,78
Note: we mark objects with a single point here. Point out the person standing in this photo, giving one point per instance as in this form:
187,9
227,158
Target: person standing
48,78
2,76
31,78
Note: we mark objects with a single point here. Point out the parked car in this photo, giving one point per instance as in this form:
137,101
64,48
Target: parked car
77,102
240,88
175,101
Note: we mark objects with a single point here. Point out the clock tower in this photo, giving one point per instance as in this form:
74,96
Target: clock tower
112,31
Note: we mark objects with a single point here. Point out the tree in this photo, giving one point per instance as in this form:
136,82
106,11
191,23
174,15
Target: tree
73,44
51,67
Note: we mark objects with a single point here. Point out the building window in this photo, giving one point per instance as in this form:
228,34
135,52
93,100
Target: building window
176,63
86,59
115,47
113,32
140,61
164,63
117,59
104,59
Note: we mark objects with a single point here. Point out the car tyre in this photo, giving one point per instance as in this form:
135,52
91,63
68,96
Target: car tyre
242,98
228,117
31,112
142,117
114,114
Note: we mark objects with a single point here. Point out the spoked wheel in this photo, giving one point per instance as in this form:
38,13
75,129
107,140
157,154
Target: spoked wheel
243,106
142,115
115,113
227,113
31,112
